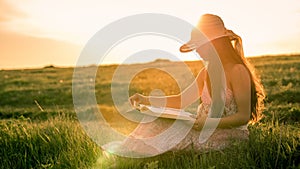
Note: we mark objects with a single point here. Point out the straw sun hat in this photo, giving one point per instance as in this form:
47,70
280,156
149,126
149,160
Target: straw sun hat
211,27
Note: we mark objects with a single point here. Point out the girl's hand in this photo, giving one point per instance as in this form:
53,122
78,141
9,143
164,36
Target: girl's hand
137,99
199,123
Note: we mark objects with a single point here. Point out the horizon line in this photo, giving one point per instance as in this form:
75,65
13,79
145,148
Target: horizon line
114,64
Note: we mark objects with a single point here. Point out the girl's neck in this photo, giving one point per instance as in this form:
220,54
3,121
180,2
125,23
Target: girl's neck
226,52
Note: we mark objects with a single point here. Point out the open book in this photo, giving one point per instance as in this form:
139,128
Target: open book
165,112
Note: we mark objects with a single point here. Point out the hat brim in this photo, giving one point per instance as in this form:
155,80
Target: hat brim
188,47
195,44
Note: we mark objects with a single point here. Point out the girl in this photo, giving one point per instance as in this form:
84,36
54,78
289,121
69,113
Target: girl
244,96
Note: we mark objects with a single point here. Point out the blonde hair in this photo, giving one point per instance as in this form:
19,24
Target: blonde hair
257,90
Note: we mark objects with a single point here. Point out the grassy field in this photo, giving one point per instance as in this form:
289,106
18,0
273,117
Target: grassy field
39,127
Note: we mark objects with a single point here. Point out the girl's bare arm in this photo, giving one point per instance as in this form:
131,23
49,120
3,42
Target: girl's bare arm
241,85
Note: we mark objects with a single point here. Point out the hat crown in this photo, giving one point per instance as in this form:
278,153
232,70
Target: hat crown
209,21
210,25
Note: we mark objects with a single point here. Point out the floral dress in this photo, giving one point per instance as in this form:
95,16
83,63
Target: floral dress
159,135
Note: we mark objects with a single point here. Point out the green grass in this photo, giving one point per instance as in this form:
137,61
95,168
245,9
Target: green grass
56,143
50,136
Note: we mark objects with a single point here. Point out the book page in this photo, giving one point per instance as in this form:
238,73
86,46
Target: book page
166,112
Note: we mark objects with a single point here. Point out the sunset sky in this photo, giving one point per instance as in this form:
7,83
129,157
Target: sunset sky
35,33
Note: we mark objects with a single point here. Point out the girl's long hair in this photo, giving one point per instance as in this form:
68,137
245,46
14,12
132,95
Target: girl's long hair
257,90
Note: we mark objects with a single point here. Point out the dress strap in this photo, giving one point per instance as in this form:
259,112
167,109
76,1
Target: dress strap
205,96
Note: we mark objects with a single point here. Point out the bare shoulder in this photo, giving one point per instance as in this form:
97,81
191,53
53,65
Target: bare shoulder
239,76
